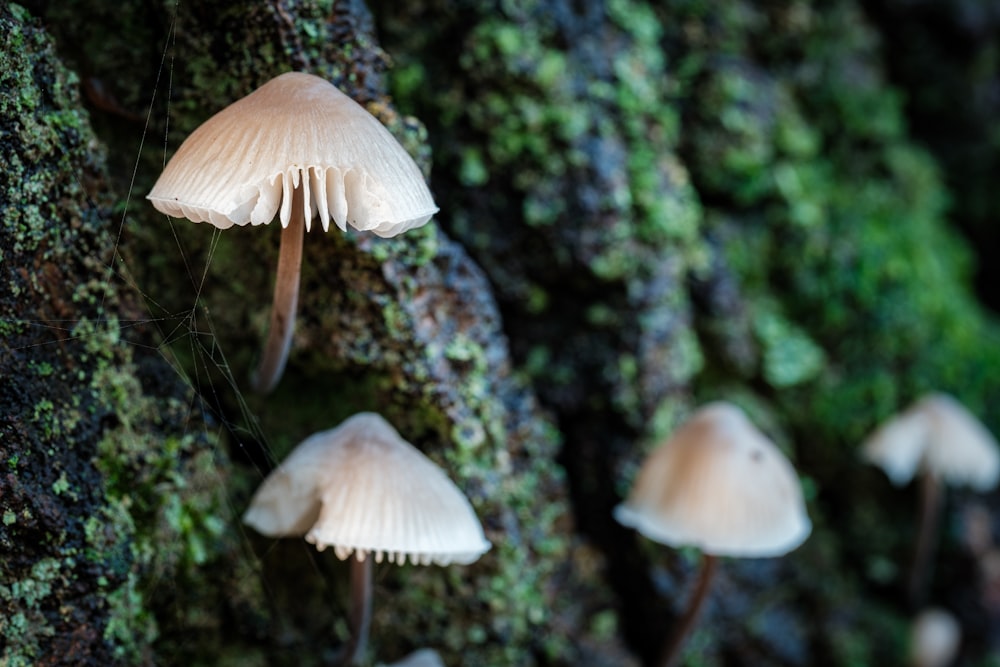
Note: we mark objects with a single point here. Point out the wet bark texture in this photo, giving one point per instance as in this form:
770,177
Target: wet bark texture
643,207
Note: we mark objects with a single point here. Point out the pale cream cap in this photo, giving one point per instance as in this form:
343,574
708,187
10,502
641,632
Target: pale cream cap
425,657
360,488
897,446
935,638
938,435
720,485
959,448
296,131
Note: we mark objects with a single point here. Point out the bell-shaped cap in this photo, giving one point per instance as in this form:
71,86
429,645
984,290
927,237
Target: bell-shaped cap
897,446
360,488
297,131
940,437
959,448
720,485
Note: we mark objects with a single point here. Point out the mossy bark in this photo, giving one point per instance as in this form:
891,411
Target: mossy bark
732,188
644,206
407,327
105,455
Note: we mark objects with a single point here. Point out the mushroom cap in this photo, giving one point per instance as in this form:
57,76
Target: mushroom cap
897,446
939,435
720,485
361,488
934,638
959,448
296,131
424,657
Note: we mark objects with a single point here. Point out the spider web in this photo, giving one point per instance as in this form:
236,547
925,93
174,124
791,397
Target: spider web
190,333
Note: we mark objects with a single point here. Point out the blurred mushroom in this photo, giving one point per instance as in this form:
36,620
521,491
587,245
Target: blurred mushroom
720,485
942,440
897,446
424,657
960,451
934,638
364,491
297,148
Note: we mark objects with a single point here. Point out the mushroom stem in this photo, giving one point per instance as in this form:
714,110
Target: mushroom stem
930,504
672,649
286,300
361,609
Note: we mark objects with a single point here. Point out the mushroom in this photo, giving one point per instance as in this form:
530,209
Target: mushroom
897,446
364,491
297,148
935,637
945,443
425,657
720,485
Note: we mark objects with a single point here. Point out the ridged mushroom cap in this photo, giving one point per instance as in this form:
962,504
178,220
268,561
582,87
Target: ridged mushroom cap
296,131
360,488
720,485
938,435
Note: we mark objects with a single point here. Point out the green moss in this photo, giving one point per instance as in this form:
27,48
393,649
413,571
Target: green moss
375,332
131,628
84,544
851,240
790,357
565,163
831,219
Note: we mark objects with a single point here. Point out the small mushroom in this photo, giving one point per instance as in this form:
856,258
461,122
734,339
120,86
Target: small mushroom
960,450
364,491
720,485
935,637
424,657
940,439
300,149
897,446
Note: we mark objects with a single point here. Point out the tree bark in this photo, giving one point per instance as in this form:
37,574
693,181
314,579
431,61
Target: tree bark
643,206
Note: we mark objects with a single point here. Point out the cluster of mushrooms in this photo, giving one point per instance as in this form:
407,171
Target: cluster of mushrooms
717,484
938,440
720,485
300,149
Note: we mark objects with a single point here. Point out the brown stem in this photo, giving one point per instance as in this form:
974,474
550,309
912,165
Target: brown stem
930,505
672,649
286,300
361,610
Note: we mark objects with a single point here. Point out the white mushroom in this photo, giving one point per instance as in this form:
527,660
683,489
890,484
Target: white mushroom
424,657
941,439
720,485
960,451
897,446
935,637
938,436
300,149
364,491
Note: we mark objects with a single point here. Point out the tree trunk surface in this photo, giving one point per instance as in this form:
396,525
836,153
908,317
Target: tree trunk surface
644,207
